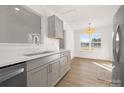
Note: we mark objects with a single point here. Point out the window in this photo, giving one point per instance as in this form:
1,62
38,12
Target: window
90,42
84,39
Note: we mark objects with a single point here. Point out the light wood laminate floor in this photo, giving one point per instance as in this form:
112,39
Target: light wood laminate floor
87,73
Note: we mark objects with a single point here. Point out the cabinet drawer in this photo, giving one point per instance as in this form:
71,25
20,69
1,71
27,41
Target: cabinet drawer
32,64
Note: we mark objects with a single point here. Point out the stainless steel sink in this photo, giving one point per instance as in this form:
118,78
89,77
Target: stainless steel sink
38,53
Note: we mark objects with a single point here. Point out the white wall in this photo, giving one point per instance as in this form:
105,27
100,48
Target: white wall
69,39
105,52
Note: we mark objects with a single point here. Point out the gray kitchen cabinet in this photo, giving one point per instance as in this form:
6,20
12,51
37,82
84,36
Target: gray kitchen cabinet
37,77
53,73
37,70
62,41
55,27
63,66
47,71
64,63
68,60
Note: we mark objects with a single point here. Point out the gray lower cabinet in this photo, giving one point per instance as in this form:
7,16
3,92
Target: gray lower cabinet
37,77
69,60
63,66
47,71
64,63
44,76
53,73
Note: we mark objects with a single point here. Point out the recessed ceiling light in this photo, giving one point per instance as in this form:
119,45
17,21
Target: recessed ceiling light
17,9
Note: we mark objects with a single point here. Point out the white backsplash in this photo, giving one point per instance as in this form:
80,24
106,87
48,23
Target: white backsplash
21,49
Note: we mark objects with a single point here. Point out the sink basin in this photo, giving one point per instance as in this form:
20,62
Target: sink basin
39,53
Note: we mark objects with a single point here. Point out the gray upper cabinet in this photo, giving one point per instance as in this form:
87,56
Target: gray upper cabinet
62,41
55,27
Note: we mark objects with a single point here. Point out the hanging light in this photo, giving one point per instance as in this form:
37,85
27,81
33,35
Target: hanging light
89,30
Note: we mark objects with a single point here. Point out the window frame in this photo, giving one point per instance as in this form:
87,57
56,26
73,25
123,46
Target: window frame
89,47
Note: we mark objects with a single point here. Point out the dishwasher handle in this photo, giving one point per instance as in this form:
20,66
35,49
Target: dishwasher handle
7,75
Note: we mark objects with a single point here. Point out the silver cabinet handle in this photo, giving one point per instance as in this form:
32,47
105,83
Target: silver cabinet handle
50,67
10,74
115,54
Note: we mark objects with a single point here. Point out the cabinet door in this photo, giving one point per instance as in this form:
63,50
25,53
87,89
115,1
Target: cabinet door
63,66
69,60
55,27
62,41
53,73
58,27
37,77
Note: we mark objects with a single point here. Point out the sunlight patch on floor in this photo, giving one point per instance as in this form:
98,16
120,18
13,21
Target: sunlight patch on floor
104,66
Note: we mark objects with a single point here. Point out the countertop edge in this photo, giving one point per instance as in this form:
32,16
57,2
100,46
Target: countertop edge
25,58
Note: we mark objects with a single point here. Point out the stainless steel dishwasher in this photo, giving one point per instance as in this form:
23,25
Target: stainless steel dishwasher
13,76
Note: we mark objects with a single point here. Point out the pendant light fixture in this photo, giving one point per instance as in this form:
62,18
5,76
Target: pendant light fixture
89,30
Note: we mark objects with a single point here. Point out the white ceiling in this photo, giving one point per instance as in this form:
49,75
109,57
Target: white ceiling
78,16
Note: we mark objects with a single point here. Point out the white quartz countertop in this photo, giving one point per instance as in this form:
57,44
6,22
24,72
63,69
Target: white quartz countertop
6,60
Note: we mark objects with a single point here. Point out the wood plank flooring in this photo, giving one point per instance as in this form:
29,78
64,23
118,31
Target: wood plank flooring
86,73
